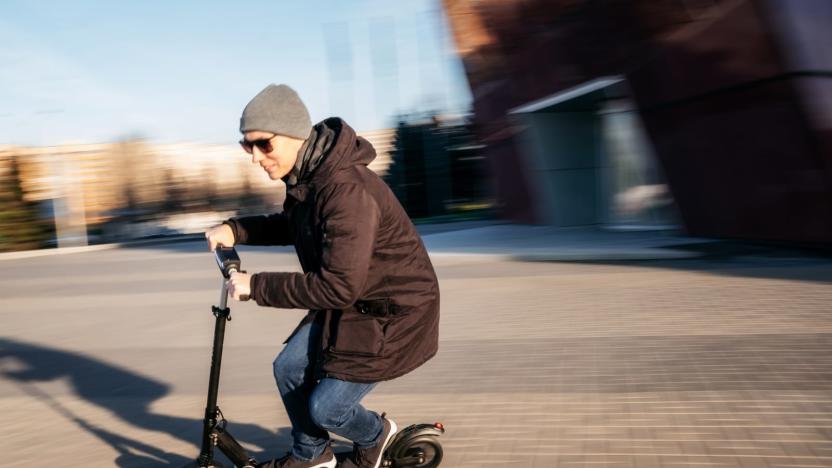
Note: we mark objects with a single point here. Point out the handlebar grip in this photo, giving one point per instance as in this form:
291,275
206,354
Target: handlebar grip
243,297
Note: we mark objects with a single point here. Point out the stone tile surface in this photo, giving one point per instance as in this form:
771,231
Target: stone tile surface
719,362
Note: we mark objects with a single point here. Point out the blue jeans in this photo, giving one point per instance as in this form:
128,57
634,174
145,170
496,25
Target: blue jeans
316,408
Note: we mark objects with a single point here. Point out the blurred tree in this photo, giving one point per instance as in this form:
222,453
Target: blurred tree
205,196
246,195
175,193
247,200
137,170
437,168
20,226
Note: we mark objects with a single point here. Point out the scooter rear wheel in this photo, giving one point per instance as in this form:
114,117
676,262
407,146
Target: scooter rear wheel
421,452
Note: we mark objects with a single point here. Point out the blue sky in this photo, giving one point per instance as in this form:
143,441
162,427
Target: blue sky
95,71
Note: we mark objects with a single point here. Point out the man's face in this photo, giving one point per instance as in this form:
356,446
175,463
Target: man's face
280,160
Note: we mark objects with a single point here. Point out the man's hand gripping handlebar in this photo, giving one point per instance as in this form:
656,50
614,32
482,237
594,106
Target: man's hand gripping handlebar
237,280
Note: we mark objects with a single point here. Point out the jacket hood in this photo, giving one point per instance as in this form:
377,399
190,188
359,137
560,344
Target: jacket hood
348,150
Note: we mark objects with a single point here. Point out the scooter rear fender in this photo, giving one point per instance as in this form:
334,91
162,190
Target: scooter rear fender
417,430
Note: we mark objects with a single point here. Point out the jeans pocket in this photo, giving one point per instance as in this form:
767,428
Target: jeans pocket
358,334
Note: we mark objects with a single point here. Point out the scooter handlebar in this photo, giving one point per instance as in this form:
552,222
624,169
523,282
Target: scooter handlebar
227,260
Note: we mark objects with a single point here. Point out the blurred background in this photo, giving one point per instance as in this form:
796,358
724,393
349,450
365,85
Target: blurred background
628,204
119,122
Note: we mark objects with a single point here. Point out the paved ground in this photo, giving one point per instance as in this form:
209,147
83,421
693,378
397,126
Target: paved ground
719,361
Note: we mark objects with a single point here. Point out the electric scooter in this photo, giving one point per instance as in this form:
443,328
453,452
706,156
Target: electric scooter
415,446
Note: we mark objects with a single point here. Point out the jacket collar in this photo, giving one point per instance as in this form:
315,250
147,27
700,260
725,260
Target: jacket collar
300,192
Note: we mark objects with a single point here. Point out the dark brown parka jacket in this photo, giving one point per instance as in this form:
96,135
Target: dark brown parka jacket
366,279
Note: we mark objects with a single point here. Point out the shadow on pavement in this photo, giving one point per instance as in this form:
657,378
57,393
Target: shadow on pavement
126,395
748,261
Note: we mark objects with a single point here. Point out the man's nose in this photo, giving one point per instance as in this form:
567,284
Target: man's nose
256,155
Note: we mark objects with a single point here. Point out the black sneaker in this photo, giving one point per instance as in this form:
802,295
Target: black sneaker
326,460
371,457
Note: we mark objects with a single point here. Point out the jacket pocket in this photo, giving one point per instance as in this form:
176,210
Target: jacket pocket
358,334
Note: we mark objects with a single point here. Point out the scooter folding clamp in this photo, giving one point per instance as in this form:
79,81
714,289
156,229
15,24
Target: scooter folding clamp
218,312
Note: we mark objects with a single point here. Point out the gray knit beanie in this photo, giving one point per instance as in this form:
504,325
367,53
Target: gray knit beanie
277,109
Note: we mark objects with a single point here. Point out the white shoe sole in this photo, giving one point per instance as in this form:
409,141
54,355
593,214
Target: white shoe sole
393,430
329,464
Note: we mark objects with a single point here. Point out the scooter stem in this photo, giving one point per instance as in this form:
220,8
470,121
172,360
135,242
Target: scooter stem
224,293
222,314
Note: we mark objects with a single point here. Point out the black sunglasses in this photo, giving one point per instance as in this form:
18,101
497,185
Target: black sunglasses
263,144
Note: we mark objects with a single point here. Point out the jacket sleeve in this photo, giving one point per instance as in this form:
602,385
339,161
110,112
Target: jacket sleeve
350,219
270,229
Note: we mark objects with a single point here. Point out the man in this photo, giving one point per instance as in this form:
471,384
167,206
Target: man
367,281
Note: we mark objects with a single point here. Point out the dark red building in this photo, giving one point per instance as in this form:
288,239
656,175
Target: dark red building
732,99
